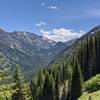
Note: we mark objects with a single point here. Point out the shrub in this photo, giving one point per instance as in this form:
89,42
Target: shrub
92,84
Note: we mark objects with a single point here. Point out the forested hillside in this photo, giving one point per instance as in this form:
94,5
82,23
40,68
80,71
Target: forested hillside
64,77
76,70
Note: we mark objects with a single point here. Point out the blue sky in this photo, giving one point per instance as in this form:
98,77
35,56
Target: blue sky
50,17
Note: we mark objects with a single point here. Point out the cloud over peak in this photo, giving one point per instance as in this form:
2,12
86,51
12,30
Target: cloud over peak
61,34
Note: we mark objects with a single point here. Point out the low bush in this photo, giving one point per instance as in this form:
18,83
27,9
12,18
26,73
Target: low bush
92,84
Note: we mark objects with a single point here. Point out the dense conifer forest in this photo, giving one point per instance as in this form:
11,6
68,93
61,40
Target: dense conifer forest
66,78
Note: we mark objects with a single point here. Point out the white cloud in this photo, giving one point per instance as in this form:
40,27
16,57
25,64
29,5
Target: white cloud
41,23
61,34
53,7
42,4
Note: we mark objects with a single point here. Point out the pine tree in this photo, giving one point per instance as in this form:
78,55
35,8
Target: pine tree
6,84
76,83
48,87
86,59
36,86
40,81
22,93
97,48
64,73
33,88
69,75
57,82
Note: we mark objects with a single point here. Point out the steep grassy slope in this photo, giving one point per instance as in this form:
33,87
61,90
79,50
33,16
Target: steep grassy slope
94,95
91,88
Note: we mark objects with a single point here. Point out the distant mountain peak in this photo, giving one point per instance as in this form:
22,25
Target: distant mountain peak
96,28
1,30
49,40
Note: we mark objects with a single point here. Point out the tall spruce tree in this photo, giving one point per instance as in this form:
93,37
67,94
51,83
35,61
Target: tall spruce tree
57,82
40,81
36,86
76,83
48,87
33,88
64,73
69,75
22,93
97,48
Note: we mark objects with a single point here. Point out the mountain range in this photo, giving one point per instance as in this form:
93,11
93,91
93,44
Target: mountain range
29,50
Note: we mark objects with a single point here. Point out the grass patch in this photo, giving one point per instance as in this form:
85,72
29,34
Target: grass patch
95,95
